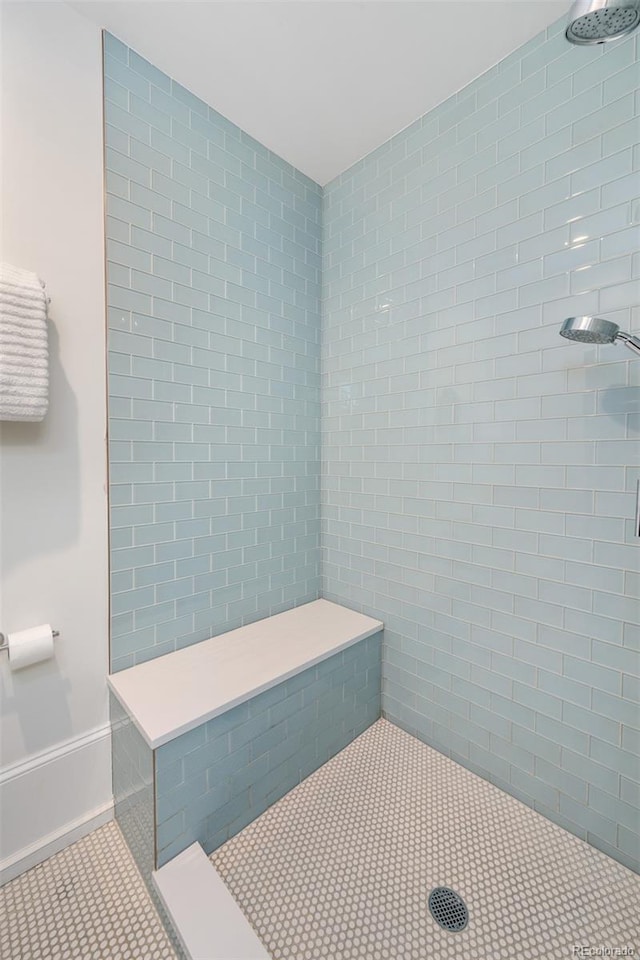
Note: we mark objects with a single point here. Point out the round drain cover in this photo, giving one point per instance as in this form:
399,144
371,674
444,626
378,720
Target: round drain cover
448,909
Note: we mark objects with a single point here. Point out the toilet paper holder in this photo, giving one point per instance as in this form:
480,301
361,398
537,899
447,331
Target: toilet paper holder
4,644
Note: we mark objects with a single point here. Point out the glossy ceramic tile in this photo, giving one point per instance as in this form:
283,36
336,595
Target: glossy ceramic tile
213,248
479,470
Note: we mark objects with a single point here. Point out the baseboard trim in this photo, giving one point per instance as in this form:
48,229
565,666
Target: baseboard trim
54,798
23,767
31,856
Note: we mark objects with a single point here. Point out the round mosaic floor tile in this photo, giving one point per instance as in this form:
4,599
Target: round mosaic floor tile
341,868
88,902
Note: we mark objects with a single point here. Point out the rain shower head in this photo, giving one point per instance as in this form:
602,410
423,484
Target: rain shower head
598,21
596,330
589,330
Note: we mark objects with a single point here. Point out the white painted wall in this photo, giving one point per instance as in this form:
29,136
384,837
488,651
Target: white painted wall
55,776
323,84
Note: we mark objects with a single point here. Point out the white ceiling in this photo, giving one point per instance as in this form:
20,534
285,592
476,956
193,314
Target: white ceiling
323,82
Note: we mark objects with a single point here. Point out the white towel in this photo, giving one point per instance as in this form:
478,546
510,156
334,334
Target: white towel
24,345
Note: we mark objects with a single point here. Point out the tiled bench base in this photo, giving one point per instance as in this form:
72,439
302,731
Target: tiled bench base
133,790
210,782
214,780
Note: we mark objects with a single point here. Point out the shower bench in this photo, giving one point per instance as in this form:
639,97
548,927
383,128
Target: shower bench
207,737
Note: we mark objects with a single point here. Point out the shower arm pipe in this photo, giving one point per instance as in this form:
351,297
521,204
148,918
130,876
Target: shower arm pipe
633,343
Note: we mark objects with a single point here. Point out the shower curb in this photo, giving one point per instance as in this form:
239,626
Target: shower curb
207,920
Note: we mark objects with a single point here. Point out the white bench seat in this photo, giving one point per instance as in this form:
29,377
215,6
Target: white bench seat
174,693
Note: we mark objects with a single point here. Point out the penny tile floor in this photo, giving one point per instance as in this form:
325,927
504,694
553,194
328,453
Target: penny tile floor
88,902
341,867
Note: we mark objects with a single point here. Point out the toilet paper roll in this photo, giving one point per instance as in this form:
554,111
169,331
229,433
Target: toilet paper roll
30,646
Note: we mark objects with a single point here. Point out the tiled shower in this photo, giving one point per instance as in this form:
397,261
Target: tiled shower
478,472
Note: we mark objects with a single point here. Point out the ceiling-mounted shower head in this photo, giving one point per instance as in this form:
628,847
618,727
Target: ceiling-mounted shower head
596,330
598,21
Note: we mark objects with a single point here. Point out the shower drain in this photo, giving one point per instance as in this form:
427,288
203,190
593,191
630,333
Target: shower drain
448,909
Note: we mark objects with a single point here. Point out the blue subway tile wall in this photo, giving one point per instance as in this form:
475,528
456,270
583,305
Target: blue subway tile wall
213,248
214,780
478,470
133,788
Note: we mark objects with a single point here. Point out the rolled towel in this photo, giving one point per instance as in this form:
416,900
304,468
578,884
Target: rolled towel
24,345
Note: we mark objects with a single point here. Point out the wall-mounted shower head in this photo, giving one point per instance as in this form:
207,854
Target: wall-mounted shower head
598,21
589,330
596,330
